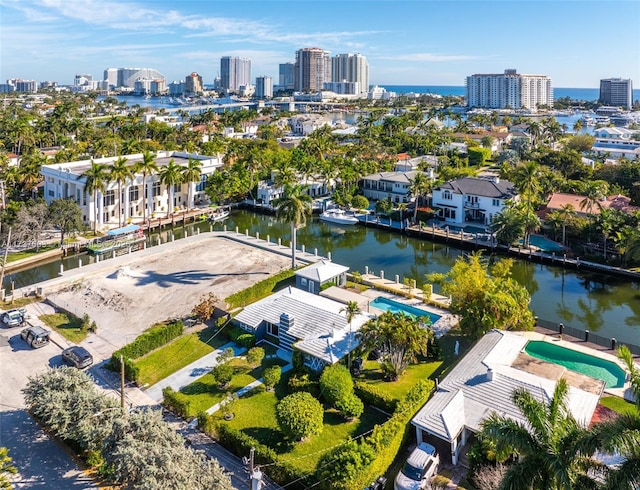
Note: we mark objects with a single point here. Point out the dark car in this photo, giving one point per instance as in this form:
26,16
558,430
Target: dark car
35,336
77,356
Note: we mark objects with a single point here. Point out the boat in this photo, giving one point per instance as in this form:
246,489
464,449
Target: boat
117,239
219,214
338,216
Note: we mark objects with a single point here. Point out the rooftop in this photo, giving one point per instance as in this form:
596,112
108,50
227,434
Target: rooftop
491,187
322,271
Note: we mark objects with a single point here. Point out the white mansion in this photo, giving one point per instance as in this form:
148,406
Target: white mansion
67,180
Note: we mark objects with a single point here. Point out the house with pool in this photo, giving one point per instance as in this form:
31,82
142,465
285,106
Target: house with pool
483,382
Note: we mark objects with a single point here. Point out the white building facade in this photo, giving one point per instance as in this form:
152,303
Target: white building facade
67,180
350,68
509,90
234,72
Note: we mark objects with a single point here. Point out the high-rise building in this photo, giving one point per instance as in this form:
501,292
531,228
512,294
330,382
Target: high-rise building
234,72
20,85
287,75
127,77
193,84
312,69
509,90
351,68
617,92
264,87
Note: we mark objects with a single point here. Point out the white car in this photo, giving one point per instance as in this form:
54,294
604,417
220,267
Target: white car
13,318
421,465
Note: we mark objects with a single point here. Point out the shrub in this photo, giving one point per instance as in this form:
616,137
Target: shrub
372,395
255,356
360,202
247,340
223,373
297,360
336,384
271,376
204,310
177,402
300,416
340,467
259,290
303,382
351,406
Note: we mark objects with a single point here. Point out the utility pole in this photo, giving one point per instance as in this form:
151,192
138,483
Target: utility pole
251,453
122,384
4,262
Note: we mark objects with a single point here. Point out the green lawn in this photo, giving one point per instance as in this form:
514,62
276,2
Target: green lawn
12,257
205,393
175,355
67,325
424,369
619,405
255,415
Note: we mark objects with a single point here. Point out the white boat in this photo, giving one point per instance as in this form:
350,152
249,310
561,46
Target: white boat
339,217
219,215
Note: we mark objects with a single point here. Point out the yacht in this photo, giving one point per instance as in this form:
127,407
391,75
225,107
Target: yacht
338,216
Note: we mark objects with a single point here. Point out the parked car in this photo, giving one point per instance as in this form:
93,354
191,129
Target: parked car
14,318
421,465
77,356
35,336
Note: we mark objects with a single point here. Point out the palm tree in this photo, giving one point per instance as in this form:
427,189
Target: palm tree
146,166
526,177
547,445
351,311
420,186
95,180
191,174
170,175
566,212
293,206
120,173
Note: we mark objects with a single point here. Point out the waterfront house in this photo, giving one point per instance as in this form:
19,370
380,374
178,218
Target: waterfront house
314,325
394,186
483,382
558,200
472,199
66,180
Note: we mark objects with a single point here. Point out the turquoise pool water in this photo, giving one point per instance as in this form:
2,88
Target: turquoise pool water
594,367
387,304
544,244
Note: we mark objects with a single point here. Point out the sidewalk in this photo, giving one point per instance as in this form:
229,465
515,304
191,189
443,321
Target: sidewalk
190,373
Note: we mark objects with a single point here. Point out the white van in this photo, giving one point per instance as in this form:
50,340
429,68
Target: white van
421,465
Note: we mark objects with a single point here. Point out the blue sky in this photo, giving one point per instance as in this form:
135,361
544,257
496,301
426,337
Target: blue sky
415,42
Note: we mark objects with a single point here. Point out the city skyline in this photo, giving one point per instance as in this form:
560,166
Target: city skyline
405,42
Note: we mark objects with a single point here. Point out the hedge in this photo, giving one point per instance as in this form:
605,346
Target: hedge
177,402
240,444
241,337
149,340
372,395
259,290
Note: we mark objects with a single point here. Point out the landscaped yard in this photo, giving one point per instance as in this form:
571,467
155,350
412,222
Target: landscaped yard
255,415
205,393
67,325
181,352
619,405
12,257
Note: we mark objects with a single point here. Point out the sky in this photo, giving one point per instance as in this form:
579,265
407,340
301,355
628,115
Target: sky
406,42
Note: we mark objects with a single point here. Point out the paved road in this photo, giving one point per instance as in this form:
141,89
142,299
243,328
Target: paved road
41,462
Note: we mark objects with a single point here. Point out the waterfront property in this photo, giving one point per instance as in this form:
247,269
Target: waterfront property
472,200
67,180
322,273
389,185
483,382
317,325
386,304
595,367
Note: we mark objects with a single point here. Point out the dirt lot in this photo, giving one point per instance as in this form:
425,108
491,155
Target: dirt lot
127,299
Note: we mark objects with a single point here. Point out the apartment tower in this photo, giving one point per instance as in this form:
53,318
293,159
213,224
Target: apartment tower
509,90
234,73
351,68
312,69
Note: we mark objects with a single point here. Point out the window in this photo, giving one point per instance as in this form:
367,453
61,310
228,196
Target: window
51,193
202,185
272,329
496,202
303,281
446,195
109,199
134,193
156,189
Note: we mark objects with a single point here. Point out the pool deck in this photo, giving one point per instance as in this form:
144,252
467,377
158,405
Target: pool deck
585,348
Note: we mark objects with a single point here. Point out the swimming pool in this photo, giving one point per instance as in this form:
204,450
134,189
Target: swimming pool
594,367
544,244
386,304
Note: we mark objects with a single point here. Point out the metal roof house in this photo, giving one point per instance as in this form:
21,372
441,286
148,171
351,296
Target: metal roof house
313,324
312,277
483,382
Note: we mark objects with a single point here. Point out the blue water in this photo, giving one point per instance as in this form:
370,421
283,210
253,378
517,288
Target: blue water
386,304
544,244
558,92
591,366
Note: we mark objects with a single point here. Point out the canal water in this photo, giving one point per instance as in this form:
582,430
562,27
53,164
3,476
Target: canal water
605,305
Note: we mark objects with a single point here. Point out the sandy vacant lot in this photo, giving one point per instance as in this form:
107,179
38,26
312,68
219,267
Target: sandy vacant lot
127,299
